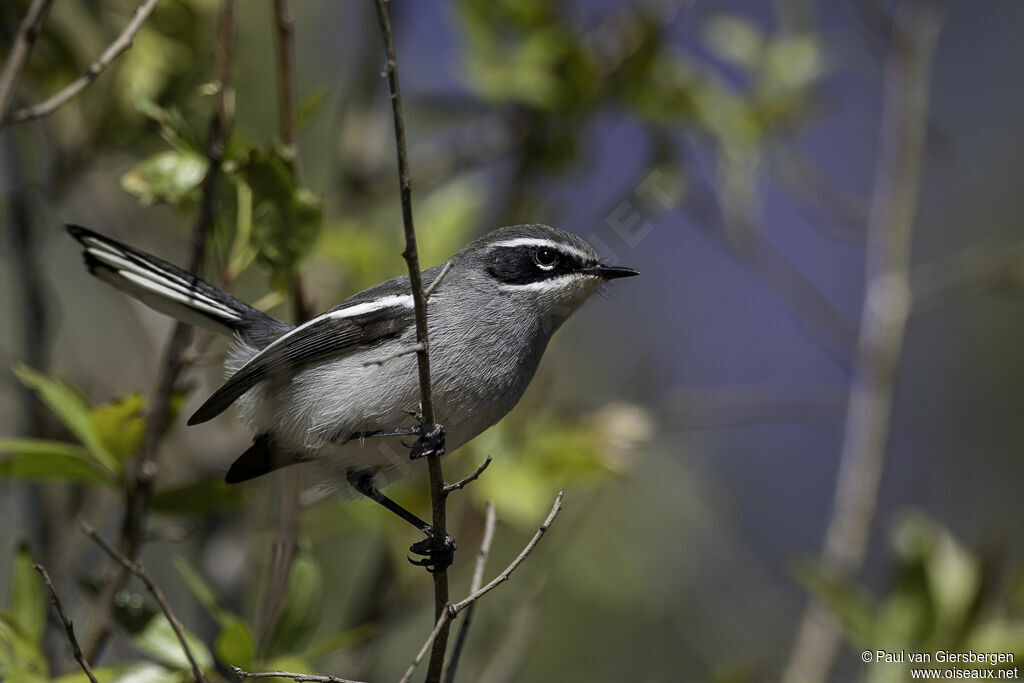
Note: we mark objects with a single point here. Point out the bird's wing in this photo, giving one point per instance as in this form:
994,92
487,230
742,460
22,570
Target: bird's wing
334,333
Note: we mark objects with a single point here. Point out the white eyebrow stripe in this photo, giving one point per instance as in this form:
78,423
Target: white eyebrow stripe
541,285
541,242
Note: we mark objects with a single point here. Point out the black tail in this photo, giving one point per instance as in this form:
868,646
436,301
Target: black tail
167,288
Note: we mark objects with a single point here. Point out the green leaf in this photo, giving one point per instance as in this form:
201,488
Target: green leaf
28,598
286,217
128,672
73,410
235,646
309,106
39,460
120,425
20,659
303,604
169,176
158,640
202,591
204,497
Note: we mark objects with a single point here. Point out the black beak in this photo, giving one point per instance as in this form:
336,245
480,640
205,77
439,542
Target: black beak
610,272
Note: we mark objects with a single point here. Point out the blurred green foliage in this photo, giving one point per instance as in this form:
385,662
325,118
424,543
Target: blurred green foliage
941,596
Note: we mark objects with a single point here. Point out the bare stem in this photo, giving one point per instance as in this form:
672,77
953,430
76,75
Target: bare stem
504,576
21,49
144,468
442,623
286,535
883,324
437,497
301,678
461,484
120,45
69,629
155,591
478,579
450,611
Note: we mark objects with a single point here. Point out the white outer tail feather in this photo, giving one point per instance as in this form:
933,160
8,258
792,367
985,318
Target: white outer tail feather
159,289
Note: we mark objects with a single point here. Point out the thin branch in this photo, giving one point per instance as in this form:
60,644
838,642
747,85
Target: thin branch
461,484
448,612
415,348
810,310
437,280
411,255
883,324
21,49
144,467
504,576
976,270
120,45
474,586
442,623
284,33
154,590
301,678
69,629
286,535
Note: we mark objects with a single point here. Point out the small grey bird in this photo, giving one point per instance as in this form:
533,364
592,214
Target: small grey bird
338,391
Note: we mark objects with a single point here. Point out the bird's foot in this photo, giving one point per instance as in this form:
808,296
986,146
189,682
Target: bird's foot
431,442
435,558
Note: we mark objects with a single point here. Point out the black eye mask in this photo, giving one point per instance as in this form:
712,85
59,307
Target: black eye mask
527,264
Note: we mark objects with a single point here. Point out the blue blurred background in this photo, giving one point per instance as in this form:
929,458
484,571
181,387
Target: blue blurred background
729,151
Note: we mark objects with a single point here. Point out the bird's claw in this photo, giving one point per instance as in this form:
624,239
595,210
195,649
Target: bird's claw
435,559
431,442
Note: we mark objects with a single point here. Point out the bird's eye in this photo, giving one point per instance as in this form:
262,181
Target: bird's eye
545,258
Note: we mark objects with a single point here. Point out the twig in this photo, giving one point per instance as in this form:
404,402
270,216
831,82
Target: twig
970,272
21,49
448,612
286,535
437,497
284,33
154,590
69,629
415,348
442,623
504,576
144,470
301,678
812,312
474,586
883,324
437,280
113,51
460,484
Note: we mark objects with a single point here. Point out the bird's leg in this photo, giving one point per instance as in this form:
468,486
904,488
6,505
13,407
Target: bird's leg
430,441
399,431
434,558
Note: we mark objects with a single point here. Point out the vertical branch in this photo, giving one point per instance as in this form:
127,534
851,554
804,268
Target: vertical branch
284,34
286,537
411,255
24,41
883,324
144,466
474,586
